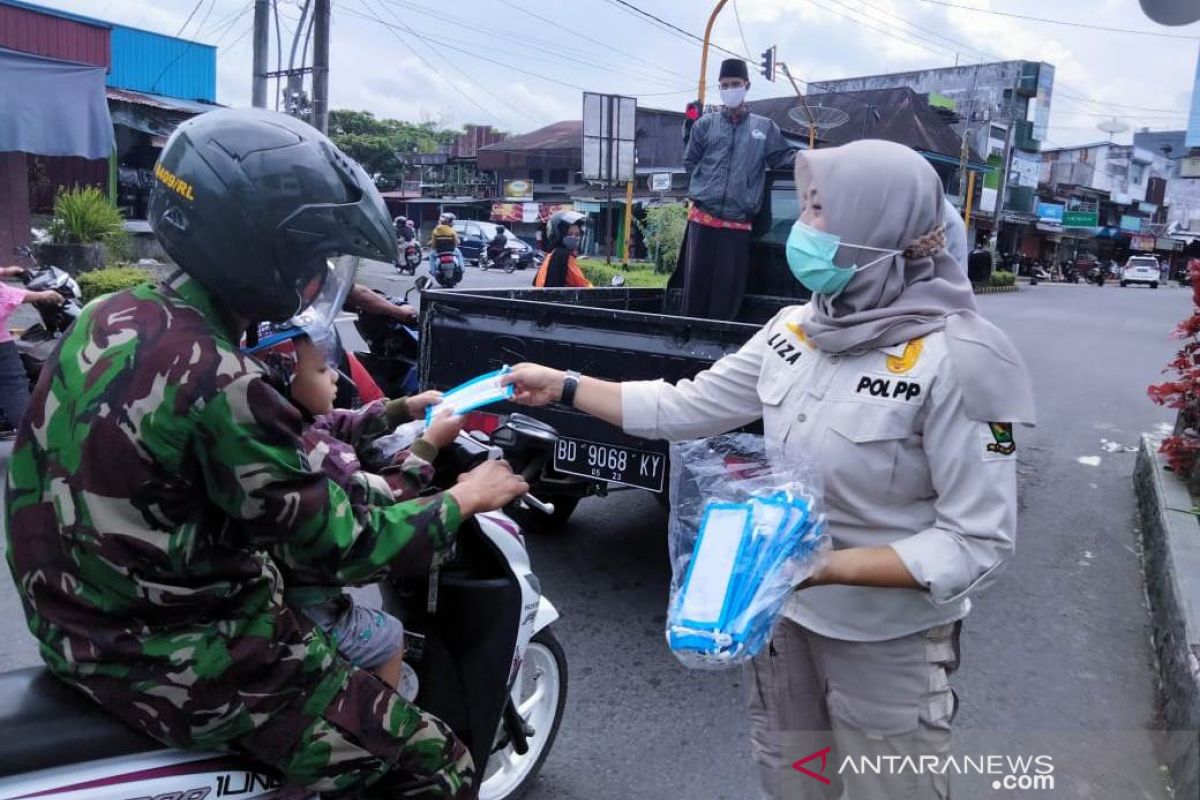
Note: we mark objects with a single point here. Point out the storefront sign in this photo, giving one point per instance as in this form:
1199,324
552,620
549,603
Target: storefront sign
518,190
1168,245
1142,243
1050,213
1081,219
1131,224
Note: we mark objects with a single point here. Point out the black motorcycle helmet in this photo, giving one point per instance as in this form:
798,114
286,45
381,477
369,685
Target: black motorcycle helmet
556,227
257,206
499,230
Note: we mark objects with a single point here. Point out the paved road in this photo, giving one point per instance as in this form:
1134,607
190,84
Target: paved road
1058,644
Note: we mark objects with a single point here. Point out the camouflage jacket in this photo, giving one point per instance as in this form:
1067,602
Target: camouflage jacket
335,443
157,493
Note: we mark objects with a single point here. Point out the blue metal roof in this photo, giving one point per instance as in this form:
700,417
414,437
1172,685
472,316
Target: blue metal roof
145,61
150,62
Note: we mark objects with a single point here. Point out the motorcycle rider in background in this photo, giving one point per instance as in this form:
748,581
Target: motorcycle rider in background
498,246
159,498
444,240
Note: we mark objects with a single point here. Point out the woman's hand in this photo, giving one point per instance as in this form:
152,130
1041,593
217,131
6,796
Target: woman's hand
535,385
13,271
489,486
863,566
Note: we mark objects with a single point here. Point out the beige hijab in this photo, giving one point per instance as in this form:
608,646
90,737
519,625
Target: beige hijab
886,196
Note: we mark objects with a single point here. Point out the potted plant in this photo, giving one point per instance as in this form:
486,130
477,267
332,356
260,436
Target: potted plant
86,229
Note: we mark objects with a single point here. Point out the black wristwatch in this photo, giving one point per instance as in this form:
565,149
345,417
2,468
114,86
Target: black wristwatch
570,384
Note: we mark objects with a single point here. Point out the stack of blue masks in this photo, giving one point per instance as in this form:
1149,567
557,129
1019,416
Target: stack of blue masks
747,559
475,393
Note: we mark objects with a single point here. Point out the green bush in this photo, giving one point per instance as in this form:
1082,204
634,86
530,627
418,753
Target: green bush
663,229
113,279
1002,278
639,275
85,215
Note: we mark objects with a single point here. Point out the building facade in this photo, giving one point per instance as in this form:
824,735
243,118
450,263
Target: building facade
1003,111
1106,199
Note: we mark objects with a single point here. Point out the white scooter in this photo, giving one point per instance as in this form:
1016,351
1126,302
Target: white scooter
482,655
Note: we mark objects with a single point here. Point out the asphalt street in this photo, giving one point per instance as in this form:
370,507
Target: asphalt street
1057,646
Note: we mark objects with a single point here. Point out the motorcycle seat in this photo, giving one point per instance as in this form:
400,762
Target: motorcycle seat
44,723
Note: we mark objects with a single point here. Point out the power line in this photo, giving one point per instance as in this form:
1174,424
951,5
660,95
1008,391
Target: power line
426,62
1065,22
637,11
549,53
195,8
441,43
235,42
605,45
942,52
738,16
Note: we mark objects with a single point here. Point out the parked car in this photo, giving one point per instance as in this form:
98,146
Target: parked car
1141,269
473,238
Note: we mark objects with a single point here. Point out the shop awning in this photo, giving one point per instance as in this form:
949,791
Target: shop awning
153,114
53,108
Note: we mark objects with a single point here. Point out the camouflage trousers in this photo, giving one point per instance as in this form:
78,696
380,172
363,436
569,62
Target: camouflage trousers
369,742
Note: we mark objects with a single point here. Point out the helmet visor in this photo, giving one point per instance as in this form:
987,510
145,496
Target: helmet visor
318,318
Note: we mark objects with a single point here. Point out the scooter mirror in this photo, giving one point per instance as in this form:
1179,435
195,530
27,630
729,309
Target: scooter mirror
422,283
618,280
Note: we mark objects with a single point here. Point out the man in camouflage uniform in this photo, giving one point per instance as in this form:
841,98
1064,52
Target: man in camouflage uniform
157,490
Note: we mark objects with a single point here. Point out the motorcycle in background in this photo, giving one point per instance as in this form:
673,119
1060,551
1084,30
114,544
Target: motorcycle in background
410,257
38,341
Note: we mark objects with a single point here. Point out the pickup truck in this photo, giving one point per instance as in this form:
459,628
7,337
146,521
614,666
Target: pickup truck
613,333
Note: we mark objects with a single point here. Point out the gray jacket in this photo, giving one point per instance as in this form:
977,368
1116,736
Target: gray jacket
728,163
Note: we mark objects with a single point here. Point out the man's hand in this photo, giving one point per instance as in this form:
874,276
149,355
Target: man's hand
419,402
535,385
489,486
443,429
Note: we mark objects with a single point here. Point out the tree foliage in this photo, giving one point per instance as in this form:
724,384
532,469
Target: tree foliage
384,147
664,228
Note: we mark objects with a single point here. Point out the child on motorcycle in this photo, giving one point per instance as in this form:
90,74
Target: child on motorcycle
334,439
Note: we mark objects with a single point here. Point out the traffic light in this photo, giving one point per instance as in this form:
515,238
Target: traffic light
693,112
767,65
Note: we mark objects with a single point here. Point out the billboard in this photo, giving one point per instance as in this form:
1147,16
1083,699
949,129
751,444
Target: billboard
1131,224
519,189
1050,212
609,133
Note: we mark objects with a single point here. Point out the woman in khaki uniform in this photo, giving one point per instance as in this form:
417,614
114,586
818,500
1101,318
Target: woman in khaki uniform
905,398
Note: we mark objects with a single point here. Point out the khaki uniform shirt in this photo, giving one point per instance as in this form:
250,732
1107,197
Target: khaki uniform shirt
902,465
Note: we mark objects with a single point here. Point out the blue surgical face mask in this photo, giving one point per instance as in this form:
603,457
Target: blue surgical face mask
572,242
810,255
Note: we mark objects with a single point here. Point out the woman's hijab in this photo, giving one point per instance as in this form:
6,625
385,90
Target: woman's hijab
887,197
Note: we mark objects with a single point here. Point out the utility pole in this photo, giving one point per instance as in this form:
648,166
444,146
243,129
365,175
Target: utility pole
320,119
966,143
262,25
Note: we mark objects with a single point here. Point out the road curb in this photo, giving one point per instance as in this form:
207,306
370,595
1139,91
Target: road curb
993,289
1171,560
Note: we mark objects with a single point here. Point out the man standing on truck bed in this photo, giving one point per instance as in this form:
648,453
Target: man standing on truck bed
727,155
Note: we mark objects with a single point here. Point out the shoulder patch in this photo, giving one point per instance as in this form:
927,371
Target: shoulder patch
998,442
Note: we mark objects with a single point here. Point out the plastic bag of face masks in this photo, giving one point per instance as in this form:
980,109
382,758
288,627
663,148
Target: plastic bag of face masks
746,528
383,451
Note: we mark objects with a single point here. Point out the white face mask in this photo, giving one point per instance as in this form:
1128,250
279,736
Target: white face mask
733,97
